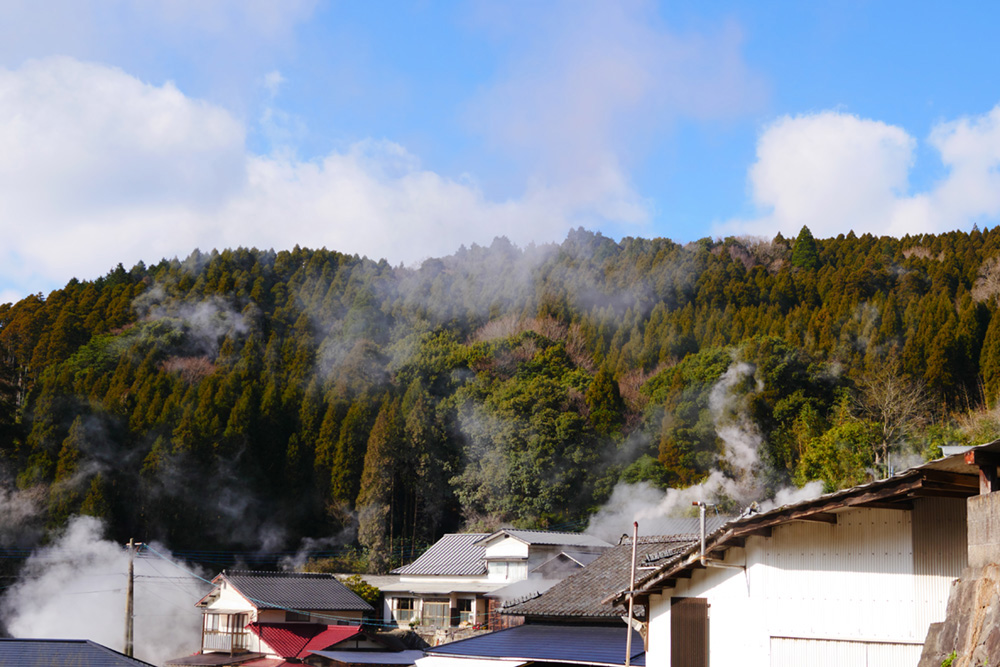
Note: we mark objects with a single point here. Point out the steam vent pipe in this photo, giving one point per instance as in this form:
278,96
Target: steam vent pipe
701,524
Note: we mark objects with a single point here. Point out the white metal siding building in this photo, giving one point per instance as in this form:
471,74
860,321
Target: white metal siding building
861,591
854,577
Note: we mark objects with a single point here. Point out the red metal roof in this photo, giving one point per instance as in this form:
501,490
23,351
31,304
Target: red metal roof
296,640
333,634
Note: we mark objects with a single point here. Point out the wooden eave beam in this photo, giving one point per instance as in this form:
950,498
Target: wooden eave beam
822,517
761,531
945,476
975,457
942,493
734,542
895,505
989,480
930,486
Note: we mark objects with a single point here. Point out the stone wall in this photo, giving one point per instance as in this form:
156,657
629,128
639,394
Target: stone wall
972,626
984,529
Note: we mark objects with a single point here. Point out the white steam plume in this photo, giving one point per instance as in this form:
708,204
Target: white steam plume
738,478
75,589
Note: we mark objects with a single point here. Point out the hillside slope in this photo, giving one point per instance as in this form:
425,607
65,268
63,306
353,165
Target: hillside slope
246,399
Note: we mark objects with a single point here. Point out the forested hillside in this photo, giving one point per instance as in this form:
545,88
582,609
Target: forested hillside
246,399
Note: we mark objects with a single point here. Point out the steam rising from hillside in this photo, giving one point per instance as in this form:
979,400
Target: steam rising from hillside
737,479
74,588
205,322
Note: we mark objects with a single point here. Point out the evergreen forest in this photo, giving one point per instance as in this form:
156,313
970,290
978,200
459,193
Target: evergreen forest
246,400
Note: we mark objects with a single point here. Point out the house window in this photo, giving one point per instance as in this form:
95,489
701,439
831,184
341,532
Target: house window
508,570
212,622
296,617
406,611
465,611
437,613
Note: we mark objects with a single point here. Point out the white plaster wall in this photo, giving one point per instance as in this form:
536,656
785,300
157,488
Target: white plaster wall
230,600
506,547
658,649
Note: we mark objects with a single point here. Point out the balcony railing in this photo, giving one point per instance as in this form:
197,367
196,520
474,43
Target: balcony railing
232,641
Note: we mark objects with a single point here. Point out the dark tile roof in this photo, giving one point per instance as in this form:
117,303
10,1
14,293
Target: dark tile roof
62,653
580,594
455,554
550,537
550,643
563,564
295,590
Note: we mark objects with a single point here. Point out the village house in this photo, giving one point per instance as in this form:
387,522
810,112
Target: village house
855,577
570,622
276,615
449,583
580,597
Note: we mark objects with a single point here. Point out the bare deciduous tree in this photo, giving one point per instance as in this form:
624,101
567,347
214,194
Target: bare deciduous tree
987,285
895,403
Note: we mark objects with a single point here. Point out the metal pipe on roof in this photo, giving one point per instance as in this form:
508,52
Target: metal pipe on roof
701,522
631,596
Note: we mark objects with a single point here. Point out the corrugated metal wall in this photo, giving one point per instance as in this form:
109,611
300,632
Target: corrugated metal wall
851,581
940,554
791,652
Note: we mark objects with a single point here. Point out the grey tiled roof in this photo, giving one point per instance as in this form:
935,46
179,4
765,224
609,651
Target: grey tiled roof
62,653
596,645
295,590
455,554
551,537
580,594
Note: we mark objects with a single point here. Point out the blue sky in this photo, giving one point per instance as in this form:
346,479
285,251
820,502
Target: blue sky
141,129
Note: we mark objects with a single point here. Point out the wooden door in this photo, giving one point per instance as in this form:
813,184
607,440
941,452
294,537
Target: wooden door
688,632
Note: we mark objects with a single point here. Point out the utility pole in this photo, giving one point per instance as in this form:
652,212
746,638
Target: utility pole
128,598
631,596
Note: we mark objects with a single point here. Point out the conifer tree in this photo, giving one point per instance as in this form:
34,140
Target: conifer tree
375,499
805,253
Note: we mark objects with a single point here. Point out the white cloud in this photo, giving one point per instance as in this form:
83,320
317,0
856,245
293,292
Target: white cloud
591,84
835,172
97,167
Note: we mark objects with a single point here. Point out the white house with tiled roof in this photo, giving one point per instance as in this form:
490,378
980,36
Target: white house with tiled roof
448,584
250,615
